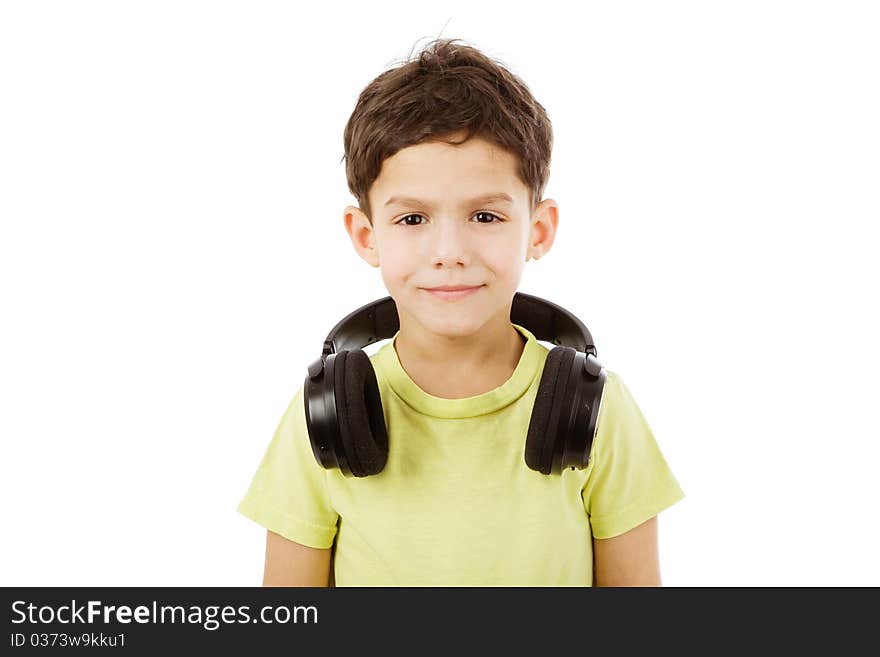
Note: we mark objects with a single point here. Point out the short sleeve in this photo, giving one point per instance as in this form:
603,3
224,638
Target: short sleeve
630,481
289,494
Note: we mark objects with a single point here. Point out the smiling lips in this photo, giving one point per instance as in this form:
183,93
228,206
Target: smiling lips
450,292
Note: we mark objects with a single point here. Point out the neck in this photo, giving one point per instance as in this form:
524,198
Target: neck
460,366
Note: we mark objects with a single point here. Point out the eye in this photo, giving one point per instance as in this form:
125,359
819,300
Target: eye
498,219
489,214
403,220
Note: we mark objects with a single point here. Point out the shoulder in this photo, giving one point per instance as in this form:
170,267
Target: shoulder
617,399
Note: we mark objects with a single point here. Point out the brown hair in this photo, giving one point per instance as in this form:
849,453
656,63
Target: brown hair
445,89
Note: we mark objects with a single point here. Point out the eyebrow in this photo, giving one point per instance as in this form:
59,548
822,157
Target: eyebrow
487,198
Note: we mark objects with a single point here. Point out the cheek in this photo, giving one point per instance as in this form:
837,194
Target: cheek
398,264
503,259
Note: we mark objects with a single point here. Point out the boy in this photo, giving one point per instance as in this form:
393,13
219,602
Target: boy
447,156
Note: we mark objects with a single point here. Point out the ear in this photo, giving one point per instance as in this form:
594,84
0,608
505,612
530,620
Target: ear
361,233
542,230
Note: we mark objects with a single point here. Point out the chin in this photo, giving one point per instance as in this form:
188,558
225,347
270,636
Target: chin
454,329
449,321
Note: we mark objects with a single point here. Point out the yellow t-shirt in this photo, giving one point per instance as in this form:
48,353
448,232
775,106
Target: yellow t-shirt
456,504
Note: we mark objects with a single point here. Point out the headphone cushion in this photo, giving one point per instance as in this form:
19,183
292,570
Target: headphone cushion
543,436
361,416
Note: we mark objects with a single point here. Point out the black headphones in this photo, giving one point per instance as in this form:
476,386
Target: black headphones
344,414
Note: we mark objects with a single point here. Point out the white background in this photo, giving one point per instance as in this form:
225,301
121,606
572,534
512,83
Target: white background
172,255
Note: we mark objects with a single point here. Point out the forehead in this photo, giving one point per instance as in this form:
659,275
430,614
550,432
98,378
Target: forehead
433,170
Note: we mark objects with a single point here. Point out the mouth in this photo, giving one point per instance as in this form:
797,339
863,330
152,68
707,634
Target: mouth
452,294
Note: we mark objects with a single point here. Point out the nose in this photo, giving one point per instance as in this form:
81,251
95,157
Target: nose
449,243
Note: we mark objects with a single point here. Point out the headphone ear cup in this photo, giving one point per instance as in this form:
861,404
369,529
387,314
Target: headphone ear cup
360,413
543,440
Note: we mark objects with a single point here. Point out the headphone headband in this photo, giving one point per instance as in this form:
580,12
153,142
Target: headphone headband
379,320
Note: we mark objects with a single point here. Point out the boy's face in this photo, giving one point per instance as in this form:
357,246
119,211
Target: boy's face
442,237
